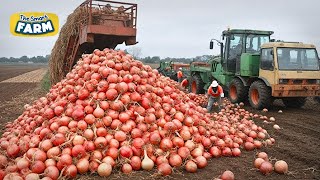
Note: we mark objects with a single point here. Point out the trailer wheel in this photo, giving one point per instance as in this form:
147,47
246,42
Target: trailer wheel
259,95
237,91
196,84
296,102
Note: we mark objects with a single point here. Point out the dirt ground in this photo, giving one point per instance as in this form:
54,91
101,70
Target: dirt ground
11,70
297,142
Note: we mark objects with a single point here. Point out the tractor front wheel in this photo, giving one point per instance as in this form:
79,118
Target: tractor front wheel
196,84
260,95
237,91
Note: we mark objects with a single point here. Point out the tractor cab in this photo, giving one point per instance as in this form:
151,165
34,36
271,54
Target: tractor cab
238,42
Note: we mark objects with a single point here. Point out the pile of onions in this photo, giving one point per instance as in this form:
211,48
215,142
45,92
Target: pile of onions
200,99
265,167
112,112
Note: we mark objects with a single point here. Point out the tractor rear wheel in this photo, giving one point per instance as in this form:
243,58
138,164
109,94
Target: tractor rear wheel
260,95
237,91
295,102
196,84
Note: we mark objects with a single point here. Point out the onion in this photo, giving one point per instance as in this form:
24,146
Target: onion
126,168
184,152
165,169
263,156
23,163
196,152
190,145
166,144
126,151
135,163
201,162
93,166
191,166
71,171
32,176
236,152
258,162
281,167
52,172
266,168
83,166
98,112
120,136
50,162
175,160
37,167
13,150
249,146
155,138
109,160
227,175
277,127
104,169
147,163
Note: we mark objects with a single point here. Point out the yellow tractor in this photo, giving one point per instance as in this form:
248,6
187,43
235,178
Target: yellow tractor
288,71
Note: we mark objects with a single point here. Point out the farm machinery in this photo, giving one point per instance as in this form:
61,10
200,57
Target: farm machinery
251,67
170,69
103,24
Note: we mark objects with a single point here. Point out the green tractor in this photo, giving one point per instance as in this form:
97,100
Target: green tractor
252,68
170,69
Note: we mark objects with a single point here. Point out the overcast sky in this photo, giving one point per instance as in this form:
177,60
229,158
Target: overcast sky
178,28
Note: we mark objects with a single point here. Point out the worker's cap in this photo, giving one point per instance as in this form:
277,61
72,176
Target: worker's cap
214,84
180,68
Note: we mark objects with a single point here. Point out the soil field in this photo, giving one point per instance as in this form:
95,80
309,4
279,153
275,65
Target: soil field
297,142
11,70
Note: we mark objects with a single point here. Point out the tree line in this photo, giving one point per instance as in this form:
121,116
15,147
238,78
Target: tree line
157,59
25,59
148,59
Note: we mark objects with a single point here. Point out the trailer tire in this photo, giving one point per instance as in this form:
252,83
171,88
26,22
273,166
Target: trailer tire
237,91
196,85
295,102
317,99
260,95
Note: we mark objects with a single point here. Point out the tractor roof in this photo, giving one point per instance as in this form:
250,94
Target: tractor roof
288,44
246,31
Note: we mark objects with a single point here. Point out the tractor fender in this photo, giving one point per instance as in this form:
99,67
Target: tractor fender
265,81
243,80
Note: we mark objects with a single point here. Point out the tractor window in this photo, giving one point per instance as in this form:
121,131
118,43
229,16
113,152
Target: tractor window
297,59
235,46
234,51
266,59
253,42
